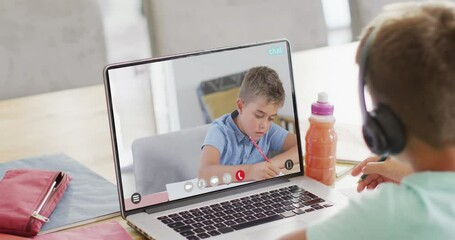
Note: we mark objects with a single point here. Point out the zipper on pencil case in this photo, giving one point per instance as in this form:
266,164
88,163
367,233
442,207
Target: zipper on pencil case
36,214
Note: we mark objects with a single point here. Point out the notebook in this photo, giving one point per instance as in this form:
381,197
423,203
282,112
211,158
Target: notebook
160,111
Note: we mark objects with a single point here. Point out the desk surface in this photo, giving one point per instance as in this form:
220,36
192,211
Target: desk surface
75,121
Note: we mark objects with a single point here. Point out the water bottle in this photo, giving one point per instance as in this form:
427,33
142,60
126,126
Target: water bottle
321,140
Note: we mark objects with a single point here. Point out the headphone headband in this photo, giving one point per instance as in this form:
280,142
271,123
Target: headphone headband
364,53
382,130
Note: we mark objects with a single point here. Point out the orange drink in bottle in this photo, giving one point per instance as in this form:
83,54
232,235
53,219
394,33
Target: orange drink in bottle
321,140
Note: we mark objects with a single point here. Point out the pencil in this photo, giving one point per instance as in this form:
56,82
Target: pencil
259,149
381,159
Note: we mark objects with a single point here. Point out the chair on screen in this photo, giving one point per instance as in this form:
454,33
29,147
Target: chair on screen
217,96
183,26
167,158
49,45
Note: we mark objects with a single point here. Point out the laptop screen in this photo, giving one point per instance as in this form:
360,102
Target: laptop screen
203,122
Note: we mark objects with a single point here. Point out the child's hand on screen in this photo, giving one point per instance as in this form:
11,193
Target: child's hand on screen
262,170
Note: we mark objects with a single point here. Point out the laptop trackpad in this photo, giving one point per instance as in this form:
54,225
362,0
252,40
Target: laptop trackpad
277,231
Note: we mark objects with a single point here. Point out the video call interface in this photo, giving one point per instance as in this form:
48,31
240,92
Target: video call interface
163,110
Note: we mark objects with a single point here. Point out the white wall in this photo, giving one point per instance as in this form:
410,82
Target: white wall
49,45
133,108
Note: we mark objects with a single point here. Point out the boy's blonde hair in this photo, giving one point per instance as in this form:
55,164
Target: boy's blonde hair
411,67
262,82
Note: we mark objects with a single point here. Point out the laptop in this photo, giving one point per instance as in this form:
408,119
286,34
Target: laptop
160,111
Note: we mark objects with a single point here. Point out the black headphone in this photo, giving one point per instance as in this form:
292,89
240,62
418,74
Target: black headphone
382,130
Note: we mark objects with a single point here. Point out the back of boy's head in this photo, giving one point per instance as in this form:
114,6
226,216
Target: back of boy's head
262,82
411,68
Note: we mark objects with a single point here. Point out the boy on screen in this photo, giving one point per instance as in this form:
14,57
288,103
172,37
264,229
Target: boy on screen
244,139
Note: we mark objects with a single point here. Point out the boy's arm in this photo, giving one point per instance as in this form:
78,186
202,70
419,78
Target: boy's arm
210,166
290,151
297,235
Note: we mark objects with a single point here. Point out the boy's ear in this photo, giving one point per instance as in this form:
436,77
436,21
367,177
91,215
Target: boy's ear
240,104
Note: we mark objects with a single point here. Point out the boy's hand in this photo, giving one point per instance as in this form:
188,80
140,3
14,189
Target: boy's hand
390,170
262,170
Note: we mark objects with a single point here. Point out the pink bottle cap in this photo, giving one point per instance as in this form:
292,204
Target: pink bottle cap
322,106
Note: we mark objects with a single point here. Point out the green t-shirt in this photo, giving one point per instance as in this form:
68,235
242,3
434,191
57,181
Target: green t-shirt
422,207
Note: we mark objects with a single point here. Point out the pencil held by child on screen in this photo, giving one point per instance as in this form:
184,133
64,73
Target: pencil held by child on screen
406,58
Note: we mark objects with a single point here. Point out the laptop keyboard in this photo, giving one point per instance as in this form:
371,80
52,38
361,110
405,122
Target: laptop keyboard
228,216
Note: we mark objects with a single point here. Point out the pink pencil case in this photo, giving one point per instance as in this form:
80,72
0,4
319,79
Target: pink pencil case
27,199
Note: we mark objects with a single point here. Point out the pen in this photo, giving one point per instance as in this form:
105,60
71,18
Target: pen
259,149
36,214
381,159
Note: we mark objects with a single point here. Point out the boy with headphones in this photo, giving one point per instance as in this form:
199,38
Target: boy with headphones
406,60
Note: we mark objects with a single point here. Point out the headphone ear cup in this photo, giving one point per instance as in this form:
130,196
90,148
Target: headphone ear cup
373,135
383,131
392,129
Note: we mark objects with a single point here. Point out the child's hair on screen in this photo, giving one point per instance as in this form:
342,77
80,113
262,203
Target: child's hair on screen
262,82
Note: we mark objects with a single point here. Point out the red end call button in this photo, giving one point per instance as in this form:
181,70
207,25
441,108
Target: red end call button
240,175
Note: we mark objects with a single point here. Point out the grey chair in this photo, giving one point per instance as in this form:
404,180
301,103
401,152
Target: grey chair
168,158
182,26
49,45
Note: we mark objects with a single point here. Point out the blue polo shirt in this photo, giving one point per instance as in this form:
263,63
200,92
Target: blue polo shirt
236,148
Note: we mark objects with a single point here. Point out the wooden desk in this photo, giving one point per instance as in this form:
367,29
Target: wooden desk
75,121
